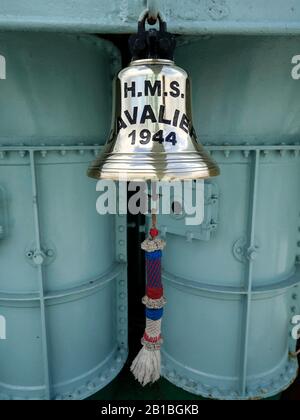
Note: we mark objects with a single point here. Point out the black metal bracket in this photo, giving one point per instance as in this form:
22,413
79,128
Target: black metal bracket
152,43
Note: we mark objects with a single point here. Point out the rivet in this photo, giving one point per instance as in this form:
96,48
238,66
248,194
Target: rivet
91,386
121,242
22,153
122,320
122,308
172,374
81,152
216,393
183,381
50,253
122,283
209,390
192,384
119,359
122,295
295,296
282,152
77,394
122,332
121,228
233,394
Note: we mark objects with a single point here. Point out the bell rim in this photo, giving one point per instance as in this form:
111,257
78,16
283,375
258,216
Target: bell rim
146,61
114,175
190,165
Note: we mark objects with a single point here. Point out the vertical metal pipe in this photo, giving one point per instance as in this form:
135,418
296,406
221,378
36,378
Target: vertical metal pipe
40,276
249,279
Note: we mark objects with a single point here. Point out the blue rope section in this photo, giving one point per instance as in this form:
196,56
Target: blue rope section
154,314
155,255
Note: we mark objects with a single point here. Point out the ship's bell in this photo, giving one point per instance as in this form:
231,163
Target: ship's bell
152,135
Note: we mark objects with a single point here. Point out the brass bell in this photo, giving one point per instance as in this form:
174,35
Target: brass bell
152,135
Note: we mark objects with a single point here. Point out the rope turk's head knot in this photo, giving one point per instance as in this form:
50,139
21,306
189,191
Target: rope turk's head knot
153,233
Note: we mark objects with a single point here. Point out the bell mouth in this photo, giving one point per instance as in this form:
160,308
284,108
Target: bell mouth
152,61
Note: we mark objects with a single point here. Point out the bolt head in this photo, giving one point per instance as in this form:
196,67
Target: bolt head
38,259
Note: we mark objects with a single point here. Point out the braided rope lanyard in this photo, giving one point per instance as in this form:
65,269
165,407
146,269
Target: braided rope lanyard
154,299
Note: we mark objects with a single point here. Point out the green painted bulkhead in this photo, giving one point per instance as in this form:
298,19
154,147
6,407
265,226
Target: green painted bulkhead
232,284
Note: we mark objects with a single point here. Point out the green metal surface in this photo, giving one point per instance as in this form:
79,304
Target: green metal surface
184,17
124,387
63,281
52,122
236,288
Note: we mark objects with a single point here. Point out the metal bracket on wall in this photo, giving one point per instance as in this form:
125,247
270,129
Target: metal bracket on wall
175,223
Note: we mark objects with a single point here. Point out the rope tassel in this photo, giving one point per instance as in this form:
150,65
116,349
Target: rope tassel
146,366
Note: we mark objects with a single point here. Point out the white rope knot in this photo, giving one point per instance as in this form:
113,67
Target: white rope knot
151,245
154,303
152,346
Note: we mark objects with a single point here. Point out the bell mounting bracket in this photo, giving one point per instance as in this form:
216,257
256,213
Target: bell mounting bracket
152,43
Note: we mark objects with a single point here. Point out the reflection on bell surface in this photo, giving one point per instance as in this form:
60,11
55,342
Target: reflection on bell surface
152,135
